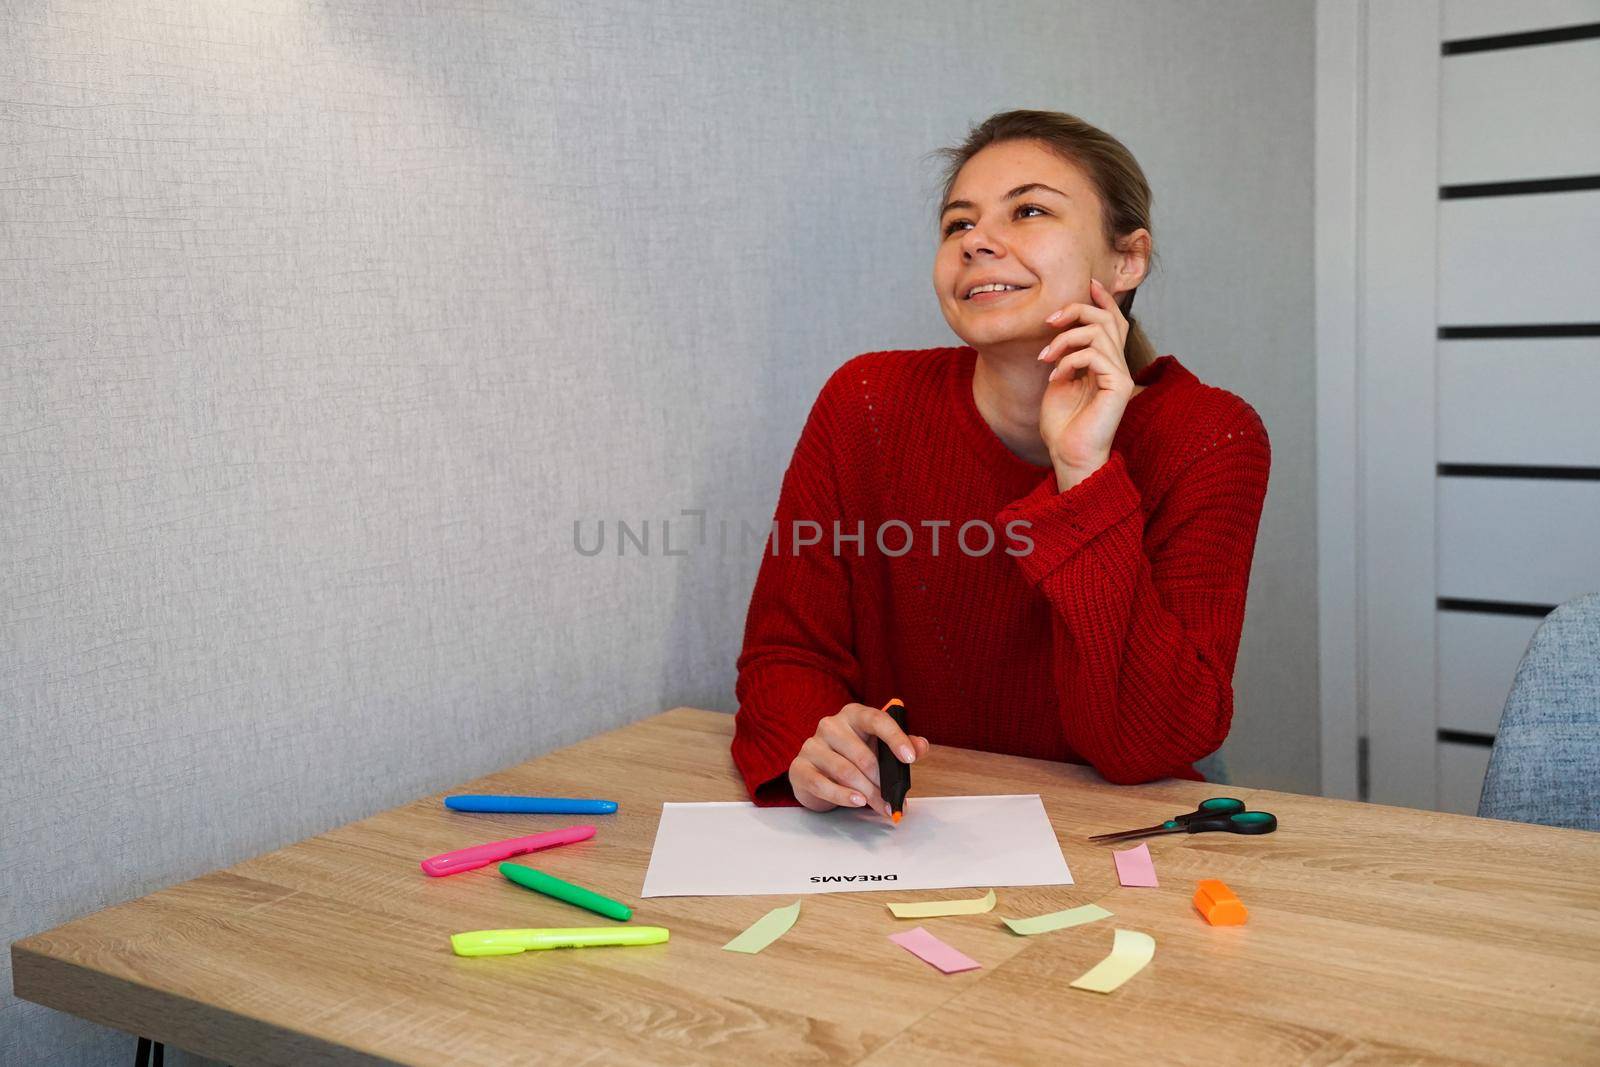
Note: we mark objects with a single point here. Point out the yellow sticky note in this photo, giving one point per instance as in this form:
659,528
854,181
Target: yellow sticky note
1130,952
928,909
765,930
1058,920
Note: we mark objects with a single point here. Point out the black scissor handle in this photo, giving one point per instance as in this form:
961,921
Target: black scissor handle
1240,822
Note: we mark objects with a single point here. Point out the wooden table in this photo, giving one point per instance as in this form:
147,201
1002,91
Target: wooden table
1375,934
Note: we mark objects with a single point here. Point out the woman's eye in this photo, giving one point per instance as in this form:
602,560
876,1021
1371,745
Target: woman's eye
952,227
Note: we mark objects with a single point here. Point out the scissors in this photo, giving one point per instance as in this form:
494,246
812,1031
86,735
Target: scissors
1219,813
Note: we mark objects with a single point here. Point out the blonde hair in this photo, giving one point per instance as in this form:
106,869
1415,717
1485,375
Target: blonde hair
1110,168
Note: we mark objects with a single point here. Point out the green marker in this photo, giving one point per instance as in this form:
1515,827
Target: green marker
540,882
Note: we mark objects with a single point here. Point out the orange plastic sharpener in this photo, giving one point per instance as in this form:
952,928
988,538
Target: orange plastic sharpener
1216,902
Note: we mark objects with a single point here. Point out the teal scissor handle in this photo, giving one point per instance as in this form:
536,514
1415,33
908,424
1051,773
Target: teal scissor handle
1212,814
1239,822
1209,808
1216,807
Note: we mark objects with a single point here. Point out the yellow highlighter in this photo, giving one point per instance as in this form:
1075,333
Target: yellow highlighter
511,942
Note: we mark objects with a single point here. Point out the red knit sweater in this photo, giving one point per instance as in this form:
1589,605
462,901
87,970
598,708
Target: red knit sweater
1108,638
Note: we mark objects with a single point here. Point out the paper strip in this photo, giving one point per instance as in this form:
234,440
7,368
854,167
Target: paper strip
1058,920
924,945
765,930
928,909
1135,867
1130,951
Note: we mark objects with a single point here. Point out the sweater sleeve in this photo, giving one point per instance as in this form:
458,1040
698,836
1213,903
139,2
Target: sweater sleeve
1146,621
798,661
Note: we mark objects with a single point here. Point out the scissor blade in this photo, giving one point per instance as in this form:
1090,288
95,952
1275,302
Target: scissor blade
1158,828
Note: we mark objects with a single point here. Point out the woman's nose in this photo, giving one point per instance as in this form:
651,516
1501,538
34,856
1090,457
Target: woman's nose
977,241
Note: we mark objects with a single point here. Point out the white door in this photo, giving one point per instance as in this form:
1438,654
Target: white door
1459,256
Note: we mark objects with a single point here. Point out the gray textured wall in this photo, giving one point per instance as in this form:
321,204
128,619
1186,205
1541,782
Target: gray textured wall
323,322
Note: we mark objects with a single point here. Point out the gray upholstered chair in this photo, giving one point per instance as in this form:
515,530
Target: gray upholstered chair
1214,767
1545,767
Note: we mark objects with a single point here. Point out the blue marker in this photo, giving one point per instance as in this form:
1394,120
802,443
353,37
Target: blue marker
531,805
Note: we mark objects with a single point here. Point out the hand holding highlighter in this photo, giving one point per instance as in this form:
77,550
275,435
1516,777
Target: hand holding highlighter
837,766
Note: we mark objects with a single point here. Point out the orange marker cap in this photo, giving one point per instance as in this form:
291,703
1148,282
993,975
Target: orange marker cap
1215,901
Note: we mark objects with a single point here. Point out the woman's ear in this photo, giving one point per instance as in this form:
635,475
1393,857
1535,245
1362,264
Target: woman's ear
1132,262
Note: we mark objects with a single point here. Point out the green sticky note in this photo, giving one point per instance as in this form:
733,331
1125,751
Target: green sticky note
765,930
1058,920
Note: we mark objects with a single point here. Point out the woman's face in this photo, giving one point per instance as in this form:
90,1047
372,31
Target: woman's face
1019,214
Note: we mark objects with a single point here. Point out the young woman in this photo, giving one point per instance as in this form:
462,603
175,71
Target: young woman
1039,541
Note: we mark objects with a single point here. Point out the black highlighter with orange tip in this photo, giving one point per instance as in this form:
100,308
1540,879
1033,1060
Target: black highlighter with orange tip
894,776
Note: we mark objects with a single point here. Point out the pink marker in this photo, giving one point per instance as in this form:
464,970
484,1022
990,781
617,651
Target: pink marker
470,859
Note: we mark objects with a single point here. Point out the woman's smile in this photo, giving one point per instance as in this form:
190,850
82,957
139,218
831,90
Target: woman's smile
995,296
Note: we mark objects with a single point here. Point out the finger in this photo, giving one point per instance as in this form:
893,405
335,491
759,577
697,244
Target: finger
809,800
800,772
1108,347
1092,360
1103,343
1078,337
842,772
840,767
1103,297
843,740
806,776
1085,362
921,744
1082,313
875,722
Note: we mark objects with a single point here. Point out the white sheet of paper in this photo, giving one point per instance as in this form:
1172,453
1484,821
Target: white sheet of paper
738,849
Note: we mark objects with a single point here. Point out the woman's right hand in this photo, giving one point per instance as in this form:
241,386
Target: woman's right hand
837,766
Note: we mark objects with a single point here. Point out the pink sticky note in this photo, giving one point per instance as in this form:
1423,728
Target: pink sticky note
1135,868
922,944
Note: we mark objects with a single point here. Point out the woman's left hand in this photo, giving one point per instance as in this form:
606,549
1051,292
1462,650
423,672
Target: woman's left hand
1089,388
